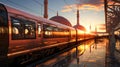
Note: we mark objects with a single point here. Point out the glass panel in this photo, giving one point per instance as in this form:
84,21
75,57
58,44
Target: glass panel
17,29
29,29
39,30
47,31
22,29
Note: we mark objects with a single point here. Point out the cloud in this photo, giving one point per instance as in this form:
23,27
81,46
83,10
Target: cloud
90,7
96,5
92,2
68,8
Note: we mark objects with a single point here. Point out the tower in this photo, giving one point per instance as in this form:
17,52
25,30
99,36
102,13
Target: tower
45,8
77,17
78,26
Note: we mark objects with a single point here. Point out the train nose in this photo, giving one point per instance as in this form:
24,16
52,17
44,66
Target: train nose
4,35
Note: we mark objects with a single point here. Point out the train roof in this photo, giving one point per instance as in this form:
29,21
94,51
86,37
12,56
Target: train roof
19,12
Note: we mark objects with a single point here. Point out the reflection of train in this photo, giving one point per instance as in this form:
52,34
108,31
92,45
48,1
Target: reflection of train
22,33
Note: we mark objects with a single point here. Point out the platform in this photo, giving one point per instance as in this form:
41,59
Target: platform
95,58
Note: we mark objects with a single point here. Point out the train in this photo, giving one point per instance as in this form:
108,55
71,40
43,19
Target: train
25,35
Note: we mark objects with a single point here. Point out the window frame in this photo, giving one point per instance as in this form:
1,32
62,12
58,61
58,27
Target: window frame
21,29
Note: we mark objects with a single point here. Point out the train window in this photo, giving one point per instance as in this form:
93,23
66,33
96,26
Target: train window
47,31
48,28
17,29
54,32
39,30
22,29
56,29
29,29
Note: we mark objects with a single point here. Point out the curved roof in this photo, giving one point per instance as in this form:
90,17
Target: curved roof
61,20
80,27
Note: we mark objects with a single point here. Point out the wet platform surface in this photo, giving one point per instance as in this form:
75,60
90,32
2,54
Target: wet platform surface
87,54
92,58
116,61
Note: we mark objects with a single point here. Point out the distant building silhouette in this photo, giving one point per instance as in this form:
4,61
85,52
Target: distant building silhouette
61,20
78,26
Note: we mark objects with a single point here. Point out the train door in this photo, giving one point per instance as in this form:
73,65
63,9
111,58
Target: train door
4,35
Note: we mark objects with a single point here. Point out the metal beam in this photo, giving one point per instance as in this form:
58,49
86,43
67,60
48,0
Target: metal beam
112,14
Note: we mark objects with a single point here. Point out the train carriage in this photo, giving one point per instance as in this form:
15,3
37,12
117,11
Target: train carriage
23,33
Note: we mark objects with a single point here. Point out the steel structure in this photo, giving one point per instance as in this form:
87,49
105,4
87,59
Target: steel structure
112,14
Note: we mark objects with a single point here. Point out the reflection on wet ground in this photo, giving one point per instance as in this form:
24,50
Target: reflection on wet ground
90,53
73,56
115,62
92,58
